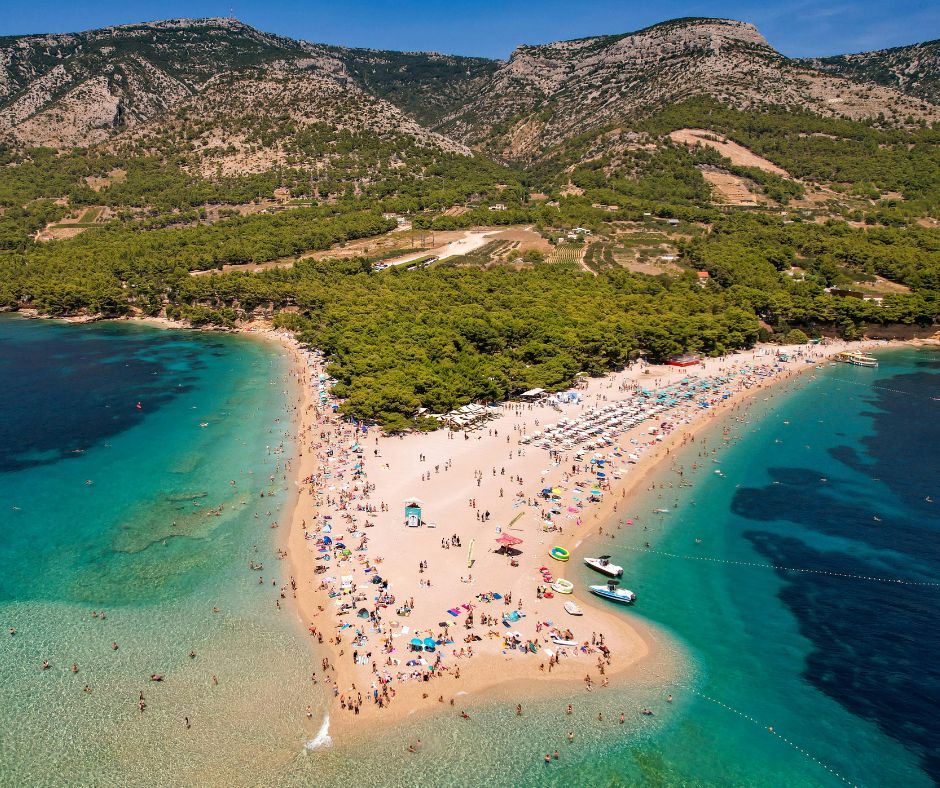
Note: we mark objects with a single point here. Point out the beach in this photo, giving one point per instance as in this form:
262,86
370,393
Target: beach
293,626
482,621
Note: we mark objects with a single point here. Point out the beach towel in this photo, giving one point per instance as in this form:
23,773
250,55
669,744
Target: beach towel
454,611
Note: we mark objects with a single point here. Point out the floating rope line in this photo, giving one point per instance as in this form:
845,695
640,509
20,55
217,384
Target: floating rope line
892,580
876,386
770,729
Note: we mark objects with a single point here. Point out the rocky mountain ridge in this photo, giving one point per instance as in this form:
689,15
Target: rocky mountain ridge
914,69
545,94
201,85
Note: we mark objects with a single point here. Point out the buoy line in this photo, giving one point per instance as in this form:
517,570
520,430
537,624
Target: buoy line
847,575
873,386
770,729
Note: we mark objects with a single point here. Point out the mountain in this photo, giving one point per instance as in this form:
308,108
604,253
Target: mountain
546,94
426,85
222,97
913,69
233,97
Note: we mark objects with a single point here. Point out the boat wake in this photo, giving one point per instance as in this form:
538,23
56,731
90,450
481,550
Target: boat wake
322,739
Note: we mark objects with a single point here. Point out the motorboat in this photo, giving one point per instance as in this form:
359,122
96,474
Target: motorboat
602,564
612,592
572,609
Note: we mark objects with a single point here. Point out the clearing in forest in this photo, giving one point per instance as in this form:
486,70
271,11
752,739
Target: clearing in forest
738,154
732,189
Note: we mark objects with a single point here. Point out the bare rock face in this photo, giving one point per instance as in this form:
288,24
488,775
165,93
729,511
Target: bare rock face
134,83
914,70
575,86
250,121
238,98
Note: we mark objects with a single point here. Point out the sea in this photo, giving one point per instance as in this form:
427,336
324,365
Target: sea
792,586
133,462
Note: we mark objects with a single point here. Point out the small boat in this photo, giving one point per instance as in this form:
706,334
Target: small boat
562,642
559,554
563,586
572,609
613,593
602,564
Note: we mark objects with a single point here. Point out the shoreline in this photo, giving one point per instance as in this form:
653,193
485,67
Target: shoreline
493,669
497,670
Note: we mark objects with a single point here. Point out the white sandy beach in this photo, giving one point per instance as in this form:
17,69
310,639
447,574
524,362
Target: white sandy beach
473,487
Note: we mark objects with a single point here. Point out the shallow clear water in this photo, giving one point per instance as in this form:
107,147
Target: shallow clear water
842,668
139,542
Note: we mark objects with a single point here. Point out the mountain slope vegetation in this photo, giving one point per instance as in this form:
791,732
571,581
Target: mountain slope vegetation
684,187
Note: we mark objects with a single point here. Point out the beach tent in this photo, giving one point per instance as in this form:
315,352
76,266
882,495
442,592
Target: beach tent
413,512
363,613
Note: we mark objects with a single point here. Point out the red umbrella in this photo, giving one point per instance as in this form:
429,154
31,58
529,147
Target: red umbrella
508,540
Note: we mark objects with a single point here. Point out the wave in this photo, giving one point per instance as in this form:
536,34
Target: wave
322,739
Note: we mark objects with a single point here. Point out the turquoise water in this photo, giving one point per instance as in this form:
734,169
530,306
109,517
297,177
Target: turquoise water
105,506
841,667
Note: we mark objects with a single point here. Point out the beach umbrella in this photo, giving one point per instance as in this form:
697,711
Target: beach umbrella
508,540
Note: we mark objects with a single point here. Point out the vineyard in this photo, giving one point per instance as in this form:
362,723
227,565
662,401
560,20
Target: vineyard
565,253
600,256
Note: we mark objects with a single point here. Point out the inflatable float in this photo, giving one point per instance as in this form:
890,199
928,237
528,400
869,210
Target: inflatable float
563,586
559,554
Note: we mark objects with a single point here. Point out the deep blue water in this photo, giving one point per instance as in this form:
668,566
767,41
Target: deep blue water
840,478
151,514
843,668
875,645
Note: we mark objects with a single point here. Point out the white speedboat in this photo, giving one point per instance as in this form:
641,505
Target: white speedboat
572,609
613,593
602,564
